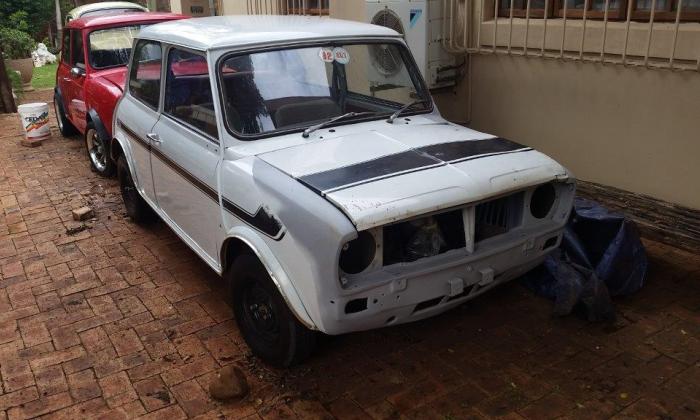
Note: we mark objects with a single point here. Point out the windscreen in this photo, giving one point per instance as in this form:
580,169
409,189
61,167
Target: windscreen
294,88
111,47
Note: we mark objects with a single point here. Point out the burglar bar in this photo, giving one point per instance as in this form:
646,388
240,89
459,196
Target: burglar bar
643,55
286,7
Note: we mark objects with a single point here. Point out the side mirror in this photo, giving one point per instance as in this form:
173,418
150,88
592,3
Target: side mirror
77,72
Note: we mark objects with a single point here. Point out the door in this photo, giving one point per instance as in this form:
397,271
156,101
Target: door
185,154
138,110
74,96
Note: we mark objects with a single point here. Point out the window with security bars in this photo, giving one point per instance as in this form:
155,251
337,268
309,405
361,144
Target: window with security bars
664,10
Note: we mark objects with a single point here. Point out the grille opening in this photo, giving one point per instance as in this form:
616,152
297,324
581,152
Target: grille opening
549,242
356,305
498,216
542,200
398,237
427,304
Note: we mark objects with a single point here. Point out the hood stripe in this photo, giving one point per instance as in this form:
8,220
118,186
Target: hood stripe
413,160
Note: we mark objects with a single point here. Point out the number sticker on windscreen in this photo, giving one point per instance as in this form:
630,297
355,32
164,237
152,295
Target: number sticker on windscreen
341,55
326,55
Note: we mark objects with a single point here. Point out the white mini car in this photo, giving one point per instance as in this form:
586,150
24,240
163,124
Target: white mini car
304,160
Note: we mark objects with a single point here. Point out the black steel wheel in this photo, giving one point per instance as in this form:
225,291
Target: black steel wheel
136,207
269,327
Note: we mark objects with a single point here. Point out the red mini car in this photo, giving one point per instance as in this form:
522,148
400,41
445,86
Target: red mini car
91,76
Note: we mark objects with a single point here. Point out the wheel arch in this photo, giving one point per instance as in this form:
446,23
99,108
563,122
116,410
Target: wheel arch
242,240
93,117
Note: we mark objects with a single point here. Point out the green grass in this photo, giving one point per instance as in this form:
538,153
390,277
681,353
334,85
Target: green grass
44,77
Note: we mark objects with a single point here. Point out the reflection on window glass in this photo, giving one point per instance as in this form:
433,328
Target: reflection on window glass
111,47
77,53
522,4
188,94
144,80
600,5
646,4
298,87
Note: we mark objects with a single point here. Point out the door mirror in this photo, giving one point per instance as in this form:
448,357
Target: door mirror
77,72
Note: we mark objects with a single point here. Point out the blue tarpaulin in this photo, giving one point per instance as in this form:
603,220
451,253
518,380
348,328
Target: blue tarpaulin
601,256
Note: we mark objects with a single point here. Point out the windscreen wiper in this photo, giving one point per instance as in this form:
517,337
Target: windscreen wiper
405,108
319,126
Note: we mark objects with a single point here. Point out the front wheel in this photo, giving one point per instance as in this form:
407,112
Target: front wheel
136,207
98,152
268,326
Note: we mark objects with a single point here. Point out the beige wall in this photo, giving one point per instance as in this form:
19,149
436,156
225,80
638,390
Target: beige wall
195,8
631,128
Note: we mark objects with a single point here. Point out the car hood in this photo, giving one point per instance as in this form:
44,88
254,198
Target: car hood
394,172
117,77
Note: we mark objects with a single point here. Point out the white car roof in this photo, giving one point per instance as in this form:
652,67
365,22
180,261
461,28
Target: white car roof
232,31
105,5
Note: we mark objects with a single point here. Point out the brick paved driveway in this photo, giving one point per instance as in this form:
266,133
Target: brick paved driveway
121,321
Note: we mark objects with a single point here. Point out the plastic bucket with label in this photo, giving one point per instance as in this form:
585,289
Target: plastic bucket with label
35,121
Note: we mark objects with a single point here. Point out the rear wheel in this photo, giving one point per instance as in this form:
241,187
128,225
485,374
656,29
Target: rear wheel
271,330
66,128
98,152
136,207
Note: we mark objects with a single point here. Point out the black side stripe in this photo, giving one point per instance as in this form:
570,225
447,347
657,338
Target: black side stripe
413,160
261,220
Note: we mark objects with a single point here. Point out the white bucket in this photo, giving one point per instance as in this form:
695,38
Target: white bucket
35,121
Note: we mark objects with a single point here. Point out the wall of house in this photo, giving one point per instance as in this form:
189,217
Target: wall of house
628,127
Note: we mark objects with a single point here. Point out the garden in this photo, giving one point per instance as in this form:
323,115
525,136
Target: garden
29,42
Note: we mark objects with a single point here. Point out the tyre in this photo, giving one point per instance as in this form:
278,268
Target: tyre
136,207
98,152
66,128
268,326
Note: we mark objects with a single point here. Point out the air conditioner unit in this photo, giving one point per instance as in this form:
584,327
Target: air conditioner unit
421,23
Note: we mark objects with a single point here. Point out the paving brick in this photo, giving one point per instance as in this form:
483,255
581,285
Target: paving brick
16,374
83,385
126,342
153,393
50,380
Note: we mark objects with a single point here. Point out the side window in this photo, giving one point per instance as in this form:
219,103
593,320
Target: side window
78,54
144,80
188,94
65,47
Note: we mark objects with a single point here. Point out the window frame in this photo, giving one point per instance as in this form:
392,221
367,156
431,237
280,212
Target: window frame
320,8
132,62
522,12
415,76
165,59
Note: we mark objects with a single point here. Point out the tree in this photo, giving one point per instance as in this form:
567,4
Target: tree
35,15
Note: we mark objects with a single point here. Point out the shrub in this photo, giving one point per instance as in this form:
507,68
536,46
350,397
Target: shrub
16,44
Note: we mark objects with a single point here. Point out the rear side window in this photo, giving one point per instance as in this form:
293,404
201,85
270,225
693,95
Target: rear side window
78,54
65,47
188,96
144,79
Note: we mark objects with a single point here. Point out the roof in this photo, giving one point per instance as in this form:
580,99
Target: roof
122,18
231,31
105,5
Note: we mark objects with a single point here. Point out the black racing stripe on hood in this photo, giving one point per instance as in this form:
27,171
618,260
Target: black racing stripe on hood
462,150
405,162
376,168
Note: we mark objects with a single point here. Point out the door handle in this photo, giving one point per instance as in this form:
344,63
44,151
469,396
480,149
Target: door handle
154,137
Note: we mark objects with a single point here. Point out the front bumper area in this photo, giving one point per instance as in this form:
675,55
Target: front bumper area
434,285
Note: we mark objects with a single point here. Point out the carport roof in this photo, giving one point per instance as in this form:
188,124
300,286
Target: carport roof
233,31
